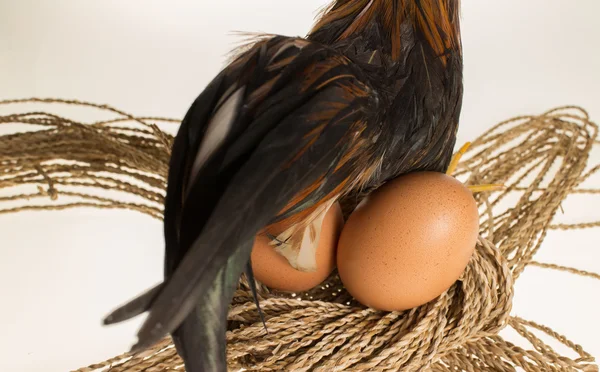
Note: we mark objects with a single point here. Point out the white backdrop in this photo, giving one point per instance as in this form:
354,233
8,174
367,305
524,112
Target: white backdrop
60,272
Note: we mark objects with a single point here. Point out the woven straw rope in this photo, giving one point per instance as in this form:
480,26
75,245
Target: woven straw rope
541,159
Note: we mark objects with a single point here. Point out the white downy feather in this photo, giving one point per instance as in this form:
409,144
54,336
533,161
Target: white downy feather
303,240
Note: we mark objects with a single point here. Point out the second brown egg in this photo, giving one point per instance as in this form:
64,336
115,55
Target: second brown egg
274,271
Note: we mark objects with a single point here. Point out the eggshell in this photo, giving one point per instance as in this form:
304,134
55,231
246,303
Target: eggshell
409,241
273,270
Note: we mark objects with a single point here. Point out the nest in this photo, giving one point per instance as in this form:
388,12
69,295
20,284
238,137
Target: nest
62,163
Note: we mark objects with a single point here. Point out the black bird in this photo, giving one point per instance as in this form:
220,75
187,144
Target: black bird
285,130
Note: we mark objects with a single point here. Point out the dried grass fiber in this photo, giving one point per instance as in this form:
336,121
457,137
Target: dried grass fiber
63,163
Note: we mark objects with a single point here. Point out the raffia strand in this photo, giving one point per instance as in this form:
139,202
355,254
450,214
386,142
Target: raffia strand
63,163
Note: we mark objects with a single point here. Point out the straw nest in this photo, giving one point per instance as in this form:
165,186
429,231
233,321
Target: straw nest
62,163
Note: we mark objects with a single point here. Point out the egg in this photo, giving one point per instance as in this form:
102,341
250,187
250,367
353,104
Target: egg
408,241
273,270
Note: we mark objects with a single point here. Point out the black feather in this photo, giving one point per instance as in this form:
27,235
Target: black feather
253,289
319,118
242,187
134,307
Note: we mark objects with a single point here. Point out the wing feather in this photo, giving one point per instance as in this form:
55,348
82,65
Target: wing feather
284,138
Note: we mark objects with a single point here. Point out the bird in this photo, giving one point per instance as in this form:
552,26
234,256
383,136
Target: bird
289,127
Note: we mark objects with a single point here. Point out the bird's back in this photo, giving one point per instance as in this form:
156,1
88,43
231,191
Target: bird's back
411,52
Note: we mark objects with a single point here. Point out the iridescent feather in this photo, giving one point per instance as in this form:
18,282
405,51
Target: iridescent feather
289,127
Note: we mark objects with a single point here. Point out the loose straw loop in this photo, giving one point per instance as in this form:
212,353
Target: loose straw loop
540,159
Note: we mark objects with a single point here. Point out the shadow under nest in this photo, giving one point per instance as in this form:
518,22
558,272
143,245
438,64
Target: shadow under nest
63,163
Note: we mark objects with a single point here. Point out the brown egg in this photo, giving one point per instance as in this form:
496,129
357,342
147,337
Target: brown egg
409,241
273,270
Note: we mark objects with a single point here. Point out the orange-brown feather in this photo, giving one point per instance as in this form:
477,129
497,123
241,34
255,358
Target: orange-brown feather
355,180
280,64
361,20
284,224
342,10
351,153
328,81
303,149
302,216
261,92
353,89
436,19
315,71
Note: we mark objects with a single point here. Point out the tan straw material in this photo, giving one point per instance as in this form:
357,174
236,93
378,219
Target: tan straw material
62,163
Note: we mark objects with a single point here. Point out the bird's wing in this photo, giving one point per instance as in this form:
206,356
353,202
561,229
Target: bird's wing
288,125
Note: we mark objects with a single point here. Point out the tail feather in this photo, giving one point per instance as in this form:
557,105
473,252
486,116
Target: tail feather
201,338
216,203
252,283
135,307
